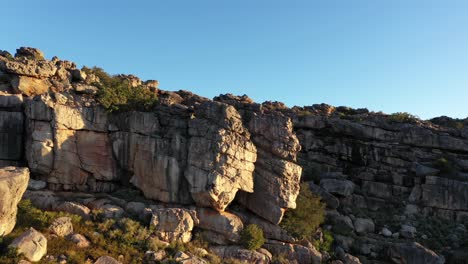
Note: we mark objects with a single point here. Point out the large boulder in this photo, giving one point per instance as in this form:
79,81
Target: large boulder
32,244
338,186
13,184
173,224
413,252
225,224
241,254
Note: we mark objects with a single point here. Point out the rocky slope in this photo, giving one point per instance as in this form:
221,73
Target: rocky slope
383,177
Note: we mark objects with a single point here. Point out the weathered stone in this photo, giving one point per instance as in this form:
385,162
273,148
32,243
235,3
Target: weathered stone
36,185
13,183
32,244
173,224
106,260
363,226
80,241
74,208
221,157
294,253
331,201
407,231
277,175
241,254
62,227
29,53
26,67
340,187
29,86
413,253
224,223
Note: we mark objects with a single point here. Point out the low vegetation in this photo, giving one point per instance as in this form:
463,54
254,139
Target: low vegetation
252,237
117,95
303,221
125,239
403,117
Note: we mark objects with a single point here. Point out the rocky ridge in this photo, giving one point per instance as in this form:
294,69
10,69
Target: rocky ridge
193,157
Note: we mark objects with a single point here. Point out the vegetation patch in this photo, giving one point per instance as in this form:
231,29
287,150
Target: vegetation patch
403,117
303,221
117,95
252,237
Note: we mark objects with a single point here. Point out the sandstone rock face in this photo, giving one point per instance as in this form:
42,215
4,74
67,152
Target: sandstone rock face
11,128
277,176
173,224
32,244
221,157
13,183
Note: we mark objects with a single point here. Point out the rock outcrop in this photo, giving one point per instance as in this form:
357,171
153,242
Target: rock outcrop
13,183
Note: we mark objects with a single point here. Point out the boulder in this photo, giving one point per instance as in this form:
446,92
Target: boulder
32,244
36,185
29,86
173,224
386,232
106,260
13,183
293,253
408,231
241,254
224,223
364,225
336,186
74,208
62,226
29,53
413,252
80,241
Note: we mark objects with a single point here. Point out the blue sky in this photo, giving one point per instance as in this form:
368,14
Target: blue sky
384,55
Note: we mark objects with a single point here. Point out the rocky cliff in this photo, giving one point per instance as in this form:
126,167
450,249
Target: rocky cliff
382,177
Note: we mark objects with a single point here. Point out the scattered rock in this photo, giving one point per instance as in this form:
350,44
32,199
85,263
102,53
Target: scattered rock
408,231
364,225
32,244
62,227
386,232
106,260
80,241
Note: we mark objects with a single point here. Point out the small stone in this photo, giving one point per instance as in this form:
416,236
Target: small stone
408,231
62,226
106,260
386,232
80,240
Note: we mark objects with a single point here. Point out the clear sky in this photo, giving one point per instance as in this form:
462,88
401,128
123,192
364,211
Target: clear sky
386,55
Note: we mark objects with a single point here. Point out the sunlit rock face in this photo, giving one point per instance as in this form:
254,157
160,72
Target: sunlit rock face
13,183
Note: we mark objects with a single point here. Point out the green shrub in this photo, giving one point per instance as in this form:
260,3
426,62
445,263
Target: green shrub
117,95
403,117
326,243
252,237
303,221
445,166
